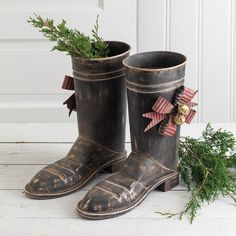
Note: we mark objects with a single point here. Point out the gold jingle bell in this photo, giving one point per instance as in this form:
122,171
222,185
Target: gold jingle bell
179,119
183,109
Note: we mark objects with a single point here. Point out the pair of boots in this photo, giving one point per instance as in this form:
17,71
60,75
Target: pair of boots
158,104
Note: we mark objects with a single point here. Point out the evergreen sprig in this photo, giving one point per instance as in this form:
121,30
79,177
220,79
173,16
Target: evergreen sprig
72,41
204,168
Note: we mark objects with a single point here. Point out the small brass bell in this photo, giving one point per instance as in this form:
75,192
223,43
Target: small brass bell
183,109
179,119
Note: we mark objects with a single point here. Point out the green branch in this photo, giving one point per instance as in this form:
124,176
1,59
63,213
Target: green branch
204,167
72,41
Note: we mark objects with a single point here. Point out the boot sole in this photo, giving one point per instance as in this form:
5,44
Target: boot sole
165,184
108,166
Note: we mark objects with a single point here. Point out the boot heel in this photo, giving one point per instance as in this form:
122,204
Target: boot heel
169,184
114,167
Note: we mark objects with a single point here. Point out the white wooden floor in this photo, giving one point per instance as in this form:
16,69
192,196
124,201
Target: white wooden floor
26,148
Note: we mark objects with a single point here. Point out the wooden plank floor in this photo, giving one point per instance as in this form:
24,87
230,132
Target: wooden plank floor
19,161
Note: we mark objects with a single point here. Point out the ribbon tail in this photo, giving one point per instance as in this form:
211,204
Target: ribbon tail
190,116
156,118
168,127
70,103
192,104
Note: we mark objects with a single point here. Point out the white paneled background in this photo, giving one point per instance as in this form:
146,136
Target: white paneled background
203,30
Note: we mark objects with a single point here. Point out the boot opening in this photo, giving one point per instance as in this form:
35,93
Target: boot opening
117,48
155,60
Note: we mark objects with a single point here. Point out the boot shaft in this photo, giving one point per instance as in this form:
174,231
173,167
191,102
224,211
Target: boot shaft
148,76
101,97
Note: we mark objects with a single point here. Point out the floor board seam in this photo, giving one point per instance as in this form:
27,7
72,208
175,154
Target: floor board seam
85,189
22,142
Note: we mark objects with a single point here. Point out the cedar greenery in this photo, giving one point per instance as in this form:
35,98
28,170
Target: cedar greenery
204,168
72,41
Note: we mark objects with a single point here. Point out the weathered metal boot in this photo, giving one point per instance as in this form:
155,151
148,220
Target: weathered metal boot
100,98
155,97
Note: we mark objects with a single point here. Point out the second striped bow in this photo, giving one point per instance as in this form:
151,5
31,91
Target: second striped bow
171,115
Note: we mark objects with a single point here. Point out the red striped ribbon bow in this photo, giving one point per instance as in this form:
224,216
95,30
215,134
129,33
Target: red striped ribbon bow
171,115
68,83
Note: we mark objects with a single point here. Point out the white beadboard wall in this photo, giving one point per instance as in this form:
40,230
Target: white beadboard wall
203,30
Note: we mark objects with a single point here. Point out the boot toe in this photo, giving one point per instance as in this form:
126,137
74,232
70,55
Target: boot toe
44,184
99,203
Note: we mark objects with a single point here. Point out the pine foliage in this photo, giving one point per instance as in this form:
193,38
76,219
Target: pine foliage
72,41
204,168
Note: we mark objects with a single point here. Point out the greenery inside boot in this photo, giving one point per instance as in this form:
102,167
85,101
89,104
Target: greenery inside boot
72,41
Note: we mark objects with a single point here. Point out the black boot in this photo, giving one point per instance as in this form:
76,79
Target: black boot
152,163
101,108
